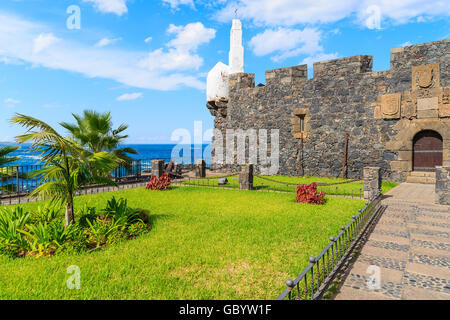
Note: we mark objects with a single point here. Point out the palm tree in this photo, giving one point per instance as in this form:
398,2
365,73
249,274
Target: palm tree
95,131
4,158
67,166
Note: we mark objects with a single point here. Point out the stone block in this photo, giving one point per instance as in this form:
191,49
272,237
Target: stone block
442,187
246,177
157,168
200,168
425,114
405,155
428,103
371,182
401,165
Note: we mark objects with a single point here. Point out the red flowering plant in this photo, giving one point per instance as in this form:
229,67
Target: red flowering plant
309,194
142,215
163,183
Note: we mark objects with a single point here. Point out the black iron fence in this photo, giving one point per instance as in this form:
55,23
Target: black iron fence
313,281
341,189
18,181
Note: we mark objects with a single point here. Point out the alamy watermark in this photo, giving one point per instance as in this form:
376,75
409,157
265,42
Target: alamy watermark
374,280
373,20
74,19
73,282
232,147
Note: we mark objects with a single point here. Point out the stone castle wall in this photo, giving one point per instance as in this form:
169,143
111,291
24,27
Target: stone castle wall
345,96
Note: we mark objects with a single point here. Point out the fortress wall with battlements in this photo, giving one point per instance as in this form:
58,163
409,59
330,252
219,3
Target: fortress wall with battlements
381,111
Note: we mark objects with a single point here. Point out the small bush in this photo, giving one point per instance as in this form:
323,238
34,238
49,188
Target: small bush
99,231
45,214
309,194
142,215
138,228
163,183
12,222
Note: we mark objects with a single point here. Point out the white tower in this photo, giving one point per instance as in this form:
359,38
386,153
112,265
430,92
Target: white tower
236,57
217,81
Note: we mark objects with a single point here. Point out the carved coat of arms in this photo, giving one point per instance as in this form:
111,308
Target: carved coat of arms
426,76
390,105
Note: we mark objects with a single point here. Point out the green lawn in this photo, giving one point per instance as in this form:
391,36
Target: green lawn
354,189
205,244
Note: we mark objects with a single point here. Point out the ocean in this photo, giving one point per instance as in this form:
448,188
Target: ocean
145,152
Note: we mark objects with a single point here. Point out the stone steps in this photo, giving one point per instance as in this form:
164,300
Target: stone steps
422,177
423,174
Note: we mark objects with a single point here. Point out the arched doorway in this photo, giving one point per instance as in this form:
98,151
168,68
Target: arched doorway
427,150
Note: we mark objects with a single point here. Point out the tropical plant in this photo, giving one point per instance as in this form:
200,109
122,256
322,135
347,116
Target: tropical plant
95,131
12,221
309,194
100,230
137,228
39,238
86,213
119,211
161,183
4,152
67,166
46,213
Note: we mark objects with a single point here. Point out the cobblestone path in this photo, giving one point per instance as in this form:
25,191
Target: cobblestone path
410,245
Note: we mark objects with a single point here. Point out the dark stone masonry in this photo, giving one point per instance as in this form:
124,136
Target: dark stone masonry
443,185
382,112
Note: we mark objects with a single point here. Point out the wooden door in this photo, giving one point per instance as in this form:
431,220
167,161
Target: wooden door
427,151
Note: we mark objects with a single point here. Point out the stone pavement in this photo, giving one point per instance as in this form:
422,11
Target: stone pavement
411,246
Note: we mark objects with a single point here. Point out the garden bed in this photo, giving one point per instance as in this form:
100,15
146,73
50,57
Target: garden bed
204,244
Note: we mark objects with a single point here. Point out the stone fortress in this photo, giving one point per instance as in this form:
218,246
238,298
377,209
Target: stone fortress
346,117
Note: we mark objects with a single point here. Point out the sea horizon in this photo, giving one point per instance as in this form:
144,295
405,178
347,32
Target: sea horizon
146,151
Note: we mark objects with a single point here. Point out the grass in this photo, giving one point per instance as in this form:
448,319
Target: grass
205,243
353,189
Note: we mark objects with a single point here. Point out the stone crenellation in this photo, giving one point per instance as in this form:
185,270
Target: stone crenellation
381,111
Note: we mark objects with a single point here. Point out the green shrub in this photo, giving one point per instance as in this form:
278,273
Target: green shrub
120,212
39,239
116,236
86,214
138,228
100,229
45,214
12,222
43,233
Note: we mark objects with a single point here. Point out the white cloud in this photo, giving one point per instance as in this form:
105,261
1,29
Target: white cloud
11,103
292,12
190,36
129,96
405,44
106,42
118,7
43,41
181,52
286,42
147,40
174,4
123,66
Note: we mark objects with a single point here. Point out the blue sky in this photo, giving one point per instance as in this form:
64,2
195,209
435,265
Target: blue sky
147,61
